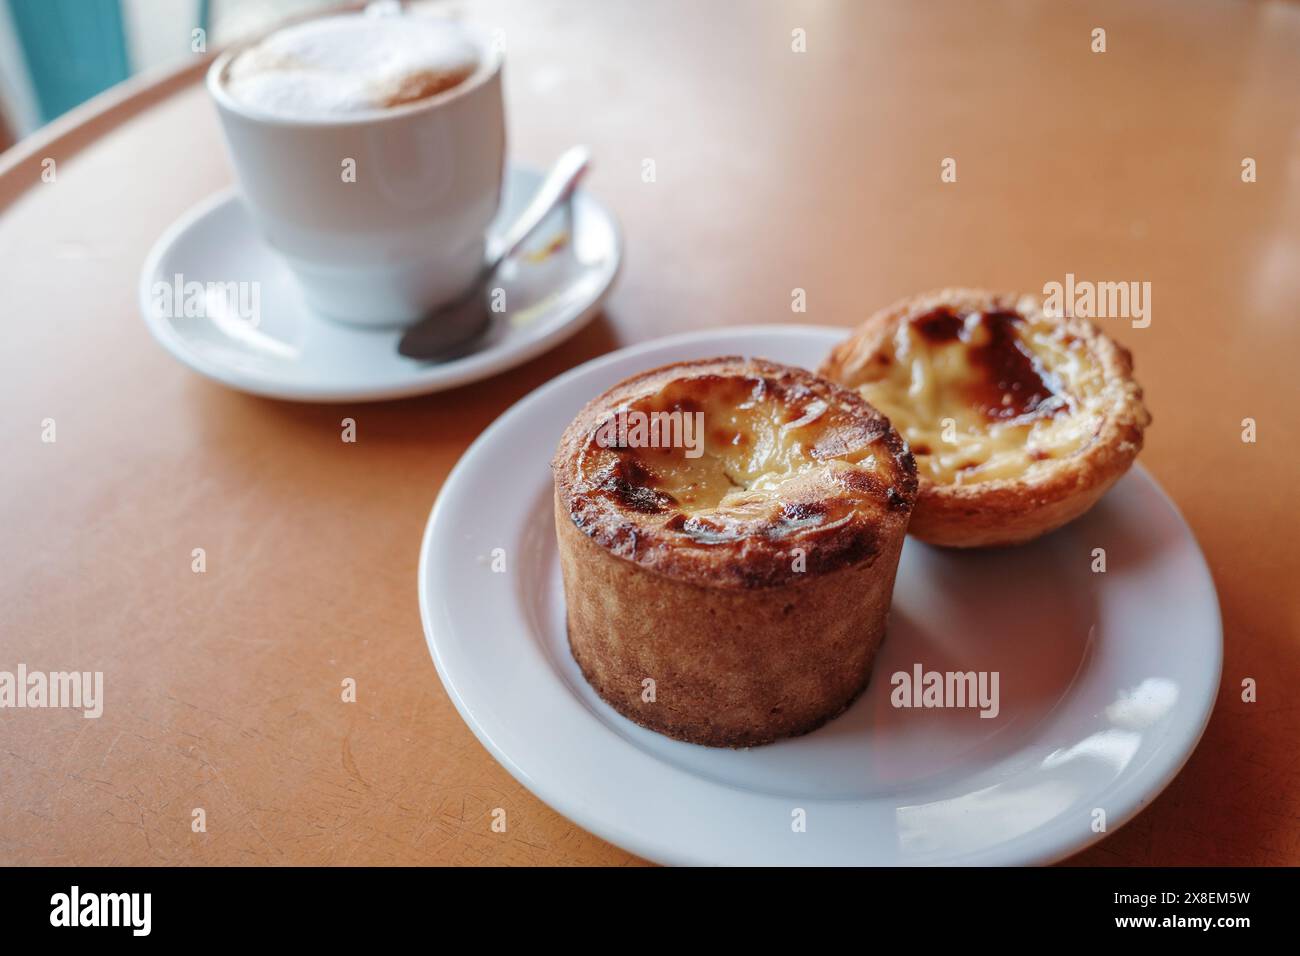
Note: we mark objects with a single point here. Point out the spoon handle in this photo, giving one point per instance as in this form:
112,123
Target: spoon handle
557,186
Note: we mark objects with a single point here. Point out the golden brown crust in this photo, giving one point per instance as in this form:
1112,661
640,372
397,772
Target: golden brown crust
733,640
837,517
1012,510
731,668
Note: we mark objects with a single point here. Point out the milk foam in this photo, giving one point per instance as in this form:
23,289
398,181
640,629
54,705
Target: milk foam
338,65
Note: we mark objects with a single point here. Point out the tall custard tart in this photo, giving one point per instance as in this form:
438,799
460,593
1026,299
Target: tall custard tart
1019,420
731,587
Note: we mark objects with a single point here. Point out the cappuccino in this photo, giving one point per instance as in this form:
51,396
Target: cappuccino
337,66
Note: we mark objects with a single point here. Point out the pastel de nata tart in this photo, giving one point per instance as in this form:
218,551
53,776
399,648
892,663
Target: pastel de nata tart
729,588
1019,420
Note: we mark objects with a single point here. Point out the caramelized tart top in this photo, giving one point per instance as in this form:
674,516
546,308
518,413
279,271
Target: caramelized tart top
735,472
987,387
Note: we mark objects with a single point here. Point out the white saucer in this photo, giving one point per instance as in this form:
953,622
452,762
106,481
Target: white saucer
1106,679
293,353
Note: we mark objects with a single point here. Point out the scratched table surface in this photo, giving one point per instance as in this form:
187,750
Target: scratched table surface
775,170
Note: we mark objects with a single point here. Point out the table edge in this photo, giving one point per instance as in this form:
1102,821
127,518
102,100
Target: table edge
63,137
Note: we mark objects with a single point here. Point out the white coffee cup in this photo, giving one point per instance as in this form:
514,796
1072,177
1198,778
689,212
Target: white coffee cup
382,214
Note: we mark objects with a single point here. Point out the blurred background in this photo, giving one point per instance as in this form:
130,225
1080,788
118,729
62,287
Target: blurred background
55,54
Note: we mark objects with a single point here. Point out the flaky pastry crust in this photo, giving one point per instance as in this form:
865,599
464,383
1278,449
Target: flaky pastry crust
749,585
1062,383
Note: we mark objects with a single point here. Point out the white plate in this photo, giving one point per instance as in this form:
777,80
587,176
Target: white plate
1106,679
292,353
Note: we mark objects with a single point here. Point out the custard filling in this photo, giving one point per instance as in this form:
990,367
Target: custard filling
757,445
983,396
